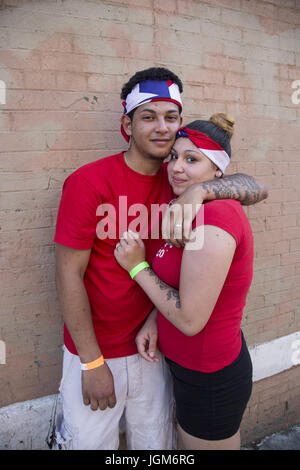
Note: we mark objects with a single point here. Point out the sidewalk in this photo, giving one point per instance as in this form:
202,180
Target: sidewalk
288,439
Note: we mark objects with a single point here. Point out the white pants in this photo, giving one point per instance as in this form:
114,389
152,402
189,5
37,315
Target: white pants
144,394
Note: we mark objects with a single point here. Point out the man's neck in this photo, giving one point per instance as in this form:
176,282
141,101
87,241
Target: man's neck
141,163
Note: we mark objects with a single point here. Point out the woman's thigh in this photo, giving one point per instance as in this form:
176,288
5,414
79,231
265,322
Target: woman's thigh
188,442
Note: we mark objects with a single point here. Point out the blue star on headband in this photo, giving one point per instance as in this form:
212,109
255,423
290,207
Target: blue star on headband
181,133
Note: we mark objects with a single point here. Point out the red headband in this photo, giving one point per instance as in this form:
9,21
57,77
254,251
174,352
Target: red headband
209,147
199,139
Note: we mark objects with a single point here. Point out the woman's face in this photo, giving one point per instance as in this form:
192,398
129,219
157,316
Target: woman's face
188,165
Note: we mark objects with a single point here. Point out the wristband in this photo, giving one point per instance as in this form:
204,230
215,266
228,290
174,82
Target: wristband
92,365
138,268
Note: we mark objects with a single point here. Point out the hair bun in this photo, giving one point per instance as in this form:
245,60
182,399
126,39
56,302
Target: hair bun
224,121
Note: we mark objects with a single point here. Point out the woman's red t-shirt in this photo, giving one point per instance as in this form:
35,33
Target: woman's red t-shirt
219,342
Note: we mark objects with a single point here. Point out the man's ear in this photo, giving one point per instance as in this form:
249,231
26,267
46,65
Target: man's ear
126,123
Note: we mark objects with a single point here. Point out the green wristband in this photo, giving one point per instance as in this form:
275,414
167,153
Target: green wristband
138,268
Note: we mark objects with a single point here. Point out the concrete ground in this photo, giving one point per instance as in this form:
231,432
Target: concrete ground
25,425
288,439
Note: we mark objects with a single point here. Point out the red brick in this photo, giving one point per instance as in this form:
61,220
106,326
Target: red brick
222,93
290,258
39,80
71,81
40,41
273,223
281,247
295,245
223,63
18,141
283,195
240,19
266,262
198,10
166,6
141,16
68,62
232,55
178,23
243,81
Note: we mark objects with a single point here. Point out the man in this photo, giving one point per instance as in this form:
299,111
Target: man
103,309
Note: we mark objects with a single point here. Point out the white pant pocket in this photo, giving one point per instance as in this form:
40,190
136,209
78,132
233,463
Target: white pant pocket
62,439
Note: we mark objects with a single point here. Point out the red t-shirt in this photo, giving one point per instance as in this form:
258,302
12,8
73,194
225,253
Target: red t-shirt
219,343
119,306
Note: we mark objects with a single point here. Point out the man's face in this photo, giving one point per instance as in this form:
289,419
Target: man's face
153,128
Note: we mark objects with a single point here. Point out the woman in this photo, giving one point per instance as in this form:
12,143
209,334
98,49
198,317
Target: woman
200,295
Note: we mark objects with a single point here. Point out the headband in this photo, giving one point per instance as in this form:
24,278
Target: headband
151,90
209,147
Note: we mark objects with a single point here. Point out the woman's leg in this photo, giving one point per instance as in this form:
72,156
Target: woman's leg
188,442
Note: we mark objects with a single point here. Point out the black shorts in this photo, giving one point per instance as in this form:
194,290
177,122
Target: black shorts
211,405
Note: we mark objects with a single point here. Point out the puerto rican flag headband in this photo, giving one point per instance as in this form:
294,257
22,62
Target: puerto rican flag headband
151,90
209,147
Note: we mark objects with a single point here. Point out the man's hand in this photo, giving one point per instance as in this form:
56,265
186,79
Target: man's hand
178,218
146,339
98,388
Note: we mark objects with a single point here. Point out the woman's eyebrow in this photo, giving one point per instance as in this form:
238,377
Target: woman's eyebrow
186,151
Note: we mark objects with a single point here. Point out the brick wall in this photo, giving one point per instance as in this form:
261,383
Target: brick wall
274,405
63,64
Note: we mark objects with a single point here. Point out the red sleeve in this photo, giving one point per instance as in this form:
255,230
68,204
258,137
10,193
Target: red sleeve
223,213
76,219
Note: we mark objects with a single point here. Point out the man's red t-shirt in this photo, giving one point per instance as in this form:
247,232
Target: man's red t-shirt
107,195
219,343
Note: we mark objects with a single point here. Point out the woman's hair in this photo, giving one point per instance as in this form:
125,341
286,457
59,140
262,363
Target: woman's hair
153,73
219,128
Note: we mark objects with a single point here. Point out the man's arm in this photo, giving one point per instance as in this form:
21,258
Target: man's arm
178,218
243,188
97,384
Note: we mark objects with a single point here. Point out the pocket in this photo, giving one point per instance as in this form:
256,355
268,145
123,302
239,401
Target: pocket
62,438
68,364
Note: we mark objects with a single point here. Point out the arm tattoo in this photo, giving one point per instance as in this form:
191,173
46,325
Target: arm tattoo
171,293
241,187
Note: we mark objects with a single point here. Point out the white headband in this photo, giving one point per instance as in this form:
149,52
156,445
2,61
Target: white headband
218,157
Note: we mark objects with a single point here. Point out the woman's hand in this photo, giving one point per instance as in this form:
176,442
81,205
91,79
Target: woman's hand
130,251
178,217
146,338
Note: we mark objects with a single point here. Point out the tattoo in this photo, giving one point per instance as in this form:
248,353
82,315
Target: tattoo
171,293
241,187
